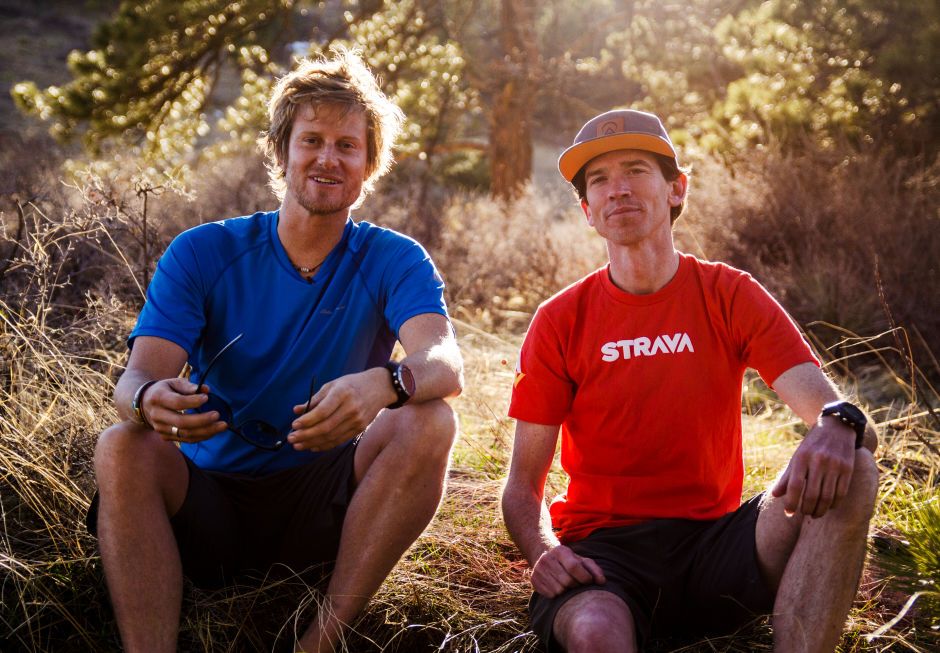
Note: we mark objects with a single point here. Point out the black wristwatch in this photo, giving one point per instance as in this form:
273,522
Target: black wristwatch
850,415
403,381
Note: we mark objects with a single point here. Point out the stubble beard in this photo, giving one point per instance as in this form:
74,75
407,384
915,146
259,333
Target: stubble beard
317,205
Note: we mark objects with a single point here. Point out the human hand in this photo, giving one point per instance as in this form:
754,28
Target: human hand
341,409
820,470
164,405
560,568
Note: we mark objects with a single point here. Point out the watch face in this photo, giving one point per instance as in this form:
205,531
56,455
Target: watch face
407,379
851,411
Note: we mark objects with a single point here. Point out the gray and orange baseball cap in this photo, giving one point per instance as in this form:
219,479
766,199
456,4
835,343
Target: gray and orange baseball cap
621,129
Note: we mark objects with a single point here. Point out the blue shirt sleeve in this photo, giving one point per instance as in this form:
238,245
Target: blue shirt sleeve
412,285
175,306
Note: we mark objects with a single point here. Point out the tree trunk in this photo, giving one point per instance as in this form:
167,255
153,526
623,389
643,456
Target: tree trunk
511,118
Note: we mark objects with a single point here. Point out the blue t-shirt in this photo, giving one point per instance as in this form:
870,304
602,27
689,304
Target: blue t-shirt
222,279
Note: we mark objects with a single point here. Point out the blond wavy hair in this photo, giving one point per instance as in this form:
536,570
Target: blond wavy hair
343,81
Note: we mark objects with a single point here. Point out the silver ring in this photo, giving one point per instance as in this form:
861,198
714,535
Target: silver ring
174,431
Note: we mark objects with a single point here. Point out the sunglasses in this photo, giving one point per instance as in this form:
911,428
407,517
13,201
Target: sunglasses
255,432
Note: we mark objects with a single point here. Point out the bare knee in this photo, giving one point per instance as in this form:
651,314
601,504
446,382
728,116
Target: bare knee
859,503
115,444
121,445
587,632
432,425
598,622
127,455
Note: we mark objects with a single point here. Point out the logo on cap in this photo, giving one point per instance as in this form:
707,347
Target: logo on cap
610,127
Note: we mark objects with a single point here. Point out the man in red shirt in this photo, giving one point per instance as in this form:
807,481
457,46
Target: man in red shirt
639,366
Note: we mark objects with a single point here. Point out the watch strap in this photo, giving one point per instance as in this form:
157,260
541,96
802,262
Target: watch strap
850,415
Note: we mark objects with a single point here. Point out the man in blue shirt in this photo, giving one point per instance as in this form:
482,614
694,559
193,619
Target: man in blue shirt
294,441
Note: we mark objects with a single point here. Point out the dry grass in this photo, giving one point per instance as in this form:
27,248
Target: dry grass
462,587
71,293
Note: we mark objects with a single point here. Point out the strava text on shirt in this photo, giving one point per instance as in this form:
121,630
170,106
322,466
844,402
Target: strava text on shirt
643,346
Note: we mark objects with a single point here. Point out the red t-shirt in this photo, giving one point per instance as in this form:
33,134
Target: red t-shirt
647,390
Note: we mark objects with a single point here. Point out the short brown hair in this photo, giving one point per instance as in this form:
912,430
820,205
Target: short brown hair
343,81
669,167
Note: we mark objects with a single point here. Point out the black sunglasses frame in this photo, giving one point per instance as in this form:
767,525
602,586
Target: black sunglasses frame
237,429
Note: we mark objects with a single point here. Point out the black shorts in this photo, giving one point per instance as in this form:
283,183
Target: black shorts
679,577
235,525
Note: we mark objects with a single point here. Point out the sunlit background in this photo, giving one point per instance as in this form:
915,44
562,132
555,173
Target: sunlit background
811,129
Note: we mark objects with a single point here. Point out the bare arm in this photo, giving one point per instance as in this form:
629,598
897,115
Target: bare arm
806,389
555,567
820,470
433,356
157,359
523,503
345,406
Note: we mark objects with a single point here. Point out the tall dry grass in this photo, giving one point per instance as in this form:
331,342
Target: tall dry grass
71,288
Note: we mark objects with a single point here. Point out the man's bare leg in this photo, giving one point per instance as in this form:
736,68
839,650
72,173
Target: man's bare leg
141,481
816,563
595,622
400,466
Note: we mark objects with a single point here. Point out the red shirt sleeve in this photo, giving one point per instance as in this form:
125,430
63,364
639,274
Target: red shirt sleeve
542,390
768,339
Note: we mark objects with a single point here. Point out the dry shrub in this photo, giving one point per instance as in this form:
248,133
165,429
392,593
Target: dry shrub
501,260
86,241
840,237
29,164
223,187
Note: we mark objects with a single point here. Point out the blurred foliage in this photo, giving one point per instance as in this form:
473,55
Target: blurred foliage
727,74
733,73
860,70
149,80
406,47
153,67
